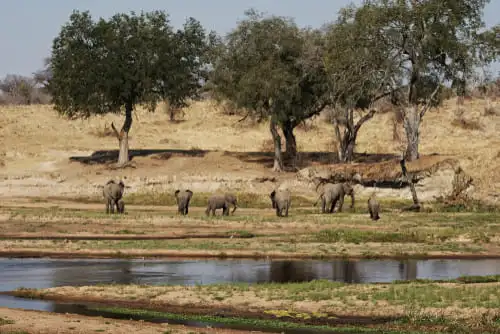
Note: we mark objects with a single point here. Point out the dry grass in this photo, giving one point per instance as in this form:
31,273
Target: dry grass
466,303
37,142
37,322
304,234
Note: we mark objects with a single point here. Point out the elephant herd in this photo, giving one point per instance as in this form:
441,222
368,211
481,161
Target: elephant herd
330,195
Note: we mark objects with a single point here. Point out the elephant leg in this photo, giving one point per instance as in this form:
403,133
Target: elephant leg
225,210
186,210
234,209
278,211
371,212
332,205
107,207
111,206
286,210
323,205
117,204
341,204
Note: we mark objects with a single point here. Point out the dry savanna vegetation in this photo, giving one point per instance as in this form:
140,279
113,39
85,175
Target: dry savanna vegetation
384,98
85,230
16,321
462,304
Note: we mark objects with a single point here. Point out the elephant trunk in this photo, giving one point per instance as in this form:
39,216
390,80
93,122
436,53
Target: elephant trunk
352,200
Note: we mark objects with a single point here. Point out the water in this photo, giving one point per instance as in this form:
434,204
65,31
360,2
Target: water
45,273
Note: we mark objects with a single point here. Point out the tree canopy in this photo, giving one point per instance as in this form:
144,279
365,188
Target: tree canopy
433,41
262,66
106,66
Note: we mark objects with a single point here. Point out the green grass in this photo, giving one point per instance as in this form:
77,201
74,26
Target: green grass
5,322
358,236
249,324
420,303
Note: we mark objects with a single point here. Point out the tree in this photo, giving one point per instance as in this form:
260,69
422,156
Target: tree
19,89
358,75
260,66
104,66
433,41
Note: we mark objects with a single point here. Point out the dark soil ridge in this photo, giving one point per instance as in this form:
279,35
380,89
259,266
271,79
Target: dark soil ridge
198,310
203,255
131,236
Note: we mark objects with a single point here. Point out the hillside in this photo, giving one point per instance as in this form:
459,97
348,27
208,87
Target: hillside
36,145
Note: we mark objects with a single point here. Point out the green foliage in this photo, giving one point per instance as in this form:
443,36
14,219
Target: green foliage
433,40
358,70
269,65
99,67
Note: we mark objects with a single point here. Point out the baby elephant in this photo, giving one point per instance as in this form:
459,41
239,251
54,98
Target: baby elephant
373,207
223,202
333,193
113,193
281,200
182,198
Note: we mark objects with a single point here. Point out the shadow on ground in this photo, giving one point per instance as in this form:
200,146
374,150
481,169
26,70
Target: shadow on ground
304,159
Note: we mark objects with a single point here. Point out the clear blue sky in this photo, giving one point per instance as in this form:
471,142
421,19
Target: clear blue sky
27,27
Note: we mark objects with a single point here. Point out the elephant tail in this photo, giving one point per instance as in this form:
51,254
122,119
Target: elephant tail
319,198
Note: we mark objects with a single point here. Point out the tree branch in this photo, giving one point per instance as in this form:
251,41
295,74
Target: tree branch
244,118
429,101
117,134
363,119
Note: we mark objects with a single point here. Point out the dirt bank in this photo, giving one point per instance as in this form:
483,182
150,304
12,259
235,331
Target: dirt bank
474,305
211,151
15,321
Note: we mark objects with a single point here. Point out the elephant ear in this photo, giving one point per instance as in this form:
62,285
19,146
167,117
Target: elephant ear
177,192
190,192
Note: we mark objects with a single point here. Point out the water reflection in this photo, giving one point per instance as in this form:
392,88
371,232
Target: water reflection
43,273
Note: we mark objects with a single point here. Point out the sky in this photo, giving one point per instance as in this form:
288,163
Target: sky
27,27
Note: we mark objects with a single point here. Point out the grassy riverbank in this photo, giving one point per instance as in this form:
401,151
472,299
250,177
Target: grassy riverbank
14,321
463,305
157,231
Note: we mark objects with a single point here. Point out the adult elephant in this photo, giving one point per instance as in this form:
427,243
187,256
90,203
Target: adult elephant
113,193
281,200
333,193
183,197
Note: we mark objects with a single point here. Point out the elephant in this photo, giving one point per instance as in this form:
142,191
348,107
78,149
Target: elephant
113,193
121,206
333,193
373,207
182,198
281,200
218,201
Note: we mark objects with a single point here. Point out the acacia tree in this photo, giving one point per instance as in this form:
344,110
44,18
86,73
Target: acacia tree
110,65
358,75
262,65
433,41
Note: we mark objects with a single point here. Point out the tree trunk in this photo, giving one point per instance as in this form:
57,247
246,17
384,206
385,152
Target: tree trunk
290,142
346,150
123,155
412,124
347,139
416,204
278,159
347,143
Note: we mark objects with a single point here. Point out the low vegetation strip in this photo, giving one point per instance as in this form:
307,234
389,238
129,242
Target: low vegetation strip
127,235
462,302
251,233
